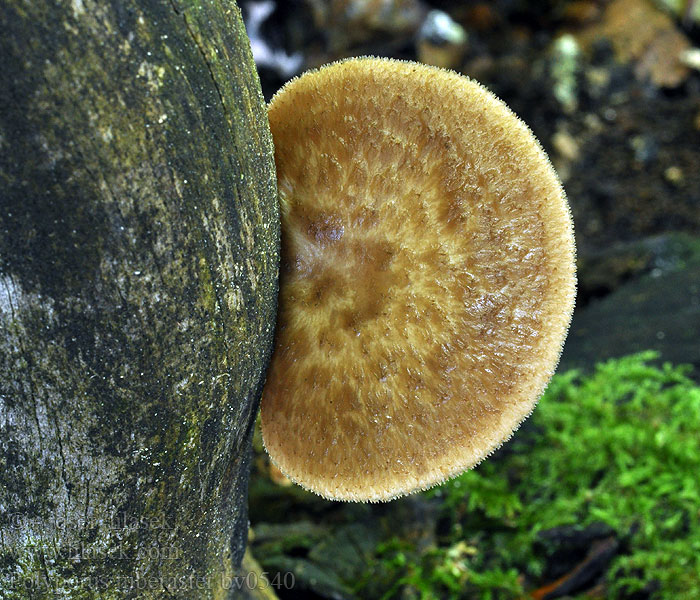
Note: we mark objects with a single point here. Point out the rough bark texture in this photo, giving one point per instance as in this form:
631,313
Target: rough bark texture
138,282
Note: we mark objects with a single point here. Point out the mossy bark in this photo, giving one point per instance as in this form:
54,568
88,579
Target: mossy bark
138,282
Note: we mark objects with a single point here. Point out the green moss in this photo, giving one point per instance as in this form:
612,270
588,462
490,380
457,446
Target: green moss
618,447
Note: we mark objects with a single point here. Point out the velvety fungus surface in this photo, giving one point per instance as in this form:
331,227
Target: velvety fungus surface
427,278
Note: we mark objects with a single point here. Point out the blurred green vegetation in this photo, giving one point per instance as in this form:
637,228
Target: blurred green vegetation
617,449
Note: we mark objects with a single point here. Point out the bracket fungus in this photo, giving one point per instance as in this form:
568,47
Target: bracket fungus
427,278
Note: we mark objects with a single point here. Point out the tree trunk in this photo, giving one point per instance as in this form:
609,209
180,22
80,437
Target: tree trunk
138,280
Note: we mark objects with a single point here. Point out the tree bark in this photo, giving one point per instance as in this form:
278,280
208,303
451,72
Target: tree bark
139,244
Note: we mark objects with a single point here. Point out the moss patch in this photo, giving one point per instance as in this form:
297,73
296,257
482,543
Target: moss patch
615,451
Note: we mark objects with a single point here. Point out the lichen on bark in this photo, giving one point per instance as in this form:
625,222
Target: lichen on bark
139,244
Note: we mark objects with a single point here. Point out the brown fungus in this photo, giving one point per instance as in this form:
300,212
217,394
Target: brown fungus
427,278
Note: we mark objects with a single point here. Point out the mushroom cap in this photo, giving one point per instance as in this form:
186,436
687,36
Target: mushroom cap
427,278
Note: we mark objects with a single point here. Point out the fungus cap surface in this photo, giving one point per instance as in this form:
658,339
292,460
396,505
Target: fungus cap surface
427,278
